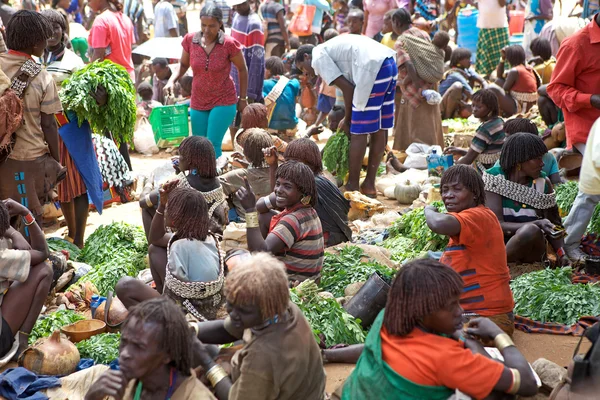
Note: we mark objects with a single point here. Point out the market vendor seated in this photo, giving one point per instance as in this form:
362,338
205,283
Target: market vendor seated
196,168
155,361
417,347
522,197
280,358
25,277
476,249
295,235
488,140
332,207
186,265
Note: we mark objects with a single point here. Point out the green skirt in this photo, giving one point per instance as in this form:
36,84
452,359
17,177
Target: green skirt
489,46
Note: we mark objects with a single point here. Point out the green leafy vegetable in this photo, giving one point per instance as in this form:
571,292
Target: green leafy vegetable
549,296
565,196
336,154
47,325
58,244
103,348
118,114
340,270
329,321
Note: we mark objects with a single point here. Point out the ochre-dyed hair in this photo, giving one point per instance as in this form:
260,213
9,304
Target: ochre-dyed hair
26,29
469,178
188,212
516,125
259,280
519,148
255,115
275,66
515,55
488,99
421,287
459,54
300,175
257,140
174,335
199,153
4,218
305,151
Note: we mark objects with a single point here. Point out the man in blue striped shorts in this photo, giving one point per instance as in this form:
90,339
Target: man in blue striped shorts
365,71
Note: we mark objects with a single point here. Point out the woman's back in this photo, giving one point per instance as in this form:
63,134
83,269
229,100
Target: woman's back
192,260
526,82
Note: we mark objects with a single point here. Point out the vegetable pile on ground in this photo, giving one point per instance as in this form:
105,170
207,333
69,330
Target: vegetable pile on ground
118,114
103,348
58,244
346,267
336,154
565,197
460,125
53,322
114,251
331,324
410,237
549,296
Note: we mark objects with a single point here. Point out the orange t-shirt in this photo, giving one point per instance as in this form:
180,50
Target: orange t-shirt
432,360
478,254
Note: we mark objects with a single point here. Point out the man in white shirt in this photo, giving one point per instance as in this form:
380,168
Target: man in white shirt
365,71
588,196
165,20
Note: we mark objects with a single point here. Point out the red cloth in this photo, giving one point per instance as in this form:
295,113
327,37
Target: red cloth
212,86
114,30
575,79
526,83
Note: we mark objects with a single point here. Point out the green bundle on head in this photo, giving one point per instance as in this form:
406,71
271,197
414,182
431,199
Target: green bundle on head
119,113
336,154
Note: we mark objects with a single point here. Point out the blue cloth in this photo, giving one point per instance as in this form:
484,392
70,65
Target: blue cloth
284,114
456,76
78,140
72,8
249,32
325,103
550,164
19,383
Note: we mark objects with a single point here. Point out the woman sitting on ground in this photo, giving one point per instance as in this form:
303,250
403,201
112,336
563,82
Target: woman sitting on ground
257,172
280,358
542,62
489,138
294,235
154,358
186,265
522,197
475,234
417,347
25,277
197,158
332,207
517,92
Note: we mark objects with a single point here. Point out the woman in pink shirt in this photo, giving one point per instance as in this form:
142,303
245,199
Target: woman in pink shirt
374,12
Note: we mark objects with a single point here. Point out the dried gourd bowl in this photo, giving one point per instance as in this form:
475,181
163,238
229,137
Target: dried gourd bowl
82,330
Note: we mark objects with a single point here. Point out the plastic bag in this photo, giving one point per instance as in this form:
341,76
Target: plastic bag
143,138
301,24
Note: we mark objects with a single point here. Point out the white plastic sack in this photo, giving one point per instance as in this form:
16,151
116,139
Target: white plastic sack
143,138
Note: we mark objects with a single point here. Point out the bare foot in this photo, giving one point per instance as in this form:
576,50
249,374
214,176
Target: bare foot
368,190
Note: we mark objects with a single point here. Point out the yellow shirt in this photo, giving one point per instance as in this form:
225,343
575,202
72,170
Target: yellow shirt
589,178
388,41
545,70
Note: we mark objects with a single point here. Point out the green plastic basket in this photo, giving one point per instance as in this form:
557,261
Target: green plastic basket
170,125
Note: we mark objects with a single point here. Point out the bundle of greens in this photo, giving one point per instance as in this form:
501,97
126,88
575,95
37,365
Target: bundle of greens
549,296
45,326
336,154
58,244
565,196
342,269
331,324
106,275
118,115
103,348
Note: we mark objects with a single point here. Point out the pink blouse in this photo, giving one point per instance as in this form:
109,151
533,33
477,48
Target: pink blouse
377,9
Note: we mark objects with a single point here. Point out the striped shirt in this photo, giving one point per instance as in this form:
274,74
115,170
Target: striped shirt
269,10
300,229
489,137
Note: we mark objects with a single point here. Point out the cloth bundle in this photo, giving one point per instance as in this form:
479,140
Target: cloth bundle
426,57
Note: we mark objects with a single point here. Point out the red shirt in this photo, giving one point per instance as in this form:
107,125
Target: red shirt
113,31
575,79
212,86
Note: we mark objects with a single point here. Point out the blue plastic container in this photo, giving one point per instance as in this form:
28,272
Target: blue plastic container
468,32
95,303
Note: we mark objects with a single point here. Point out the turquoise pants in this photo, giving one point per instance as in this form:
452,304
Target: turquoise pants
213,124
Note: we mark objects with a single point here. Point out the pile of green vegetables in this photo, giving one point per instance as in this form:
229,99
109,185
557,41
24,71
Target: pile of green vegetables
330,323
565,197
549,296
103,348
58,244
114,251
410,237
118,114
53,322
342,269
336,154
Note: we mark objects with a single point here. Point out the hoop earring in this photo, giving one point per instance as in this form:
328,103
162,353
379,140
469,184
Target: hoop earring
305,200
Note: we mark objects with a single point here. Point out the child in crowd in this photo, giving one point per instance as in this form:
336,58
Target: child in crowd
341,11
289,57
146,104
542,62
186,90
355,21
387,35
327,96
280,95
487,144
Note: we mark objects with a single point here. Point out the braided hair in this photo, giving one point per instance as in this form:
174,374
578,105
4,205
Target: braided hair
257,140
421,287
469,178
255,115
259,280
188,213
173,332
458,54
488,99
26,29
516,125
519,148
515,55
307,152
199,153
4,218
56,17
301,176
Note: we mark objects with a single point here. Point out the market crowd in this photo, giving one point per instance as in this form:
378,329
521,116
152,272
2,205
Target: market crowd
264,79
